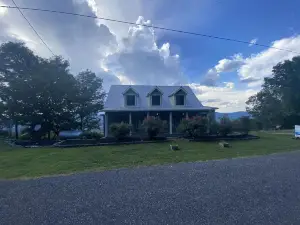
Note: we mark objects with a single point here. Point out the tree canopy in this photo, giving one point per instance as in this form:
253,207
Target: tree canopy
38,91
278,101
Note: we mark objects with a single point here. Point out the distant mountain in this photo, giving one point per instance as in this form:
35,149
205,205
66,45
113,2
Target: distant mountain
232,116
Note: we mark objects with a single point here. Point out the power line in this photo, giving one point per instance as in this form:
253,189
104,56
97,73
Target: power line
150,26
37,34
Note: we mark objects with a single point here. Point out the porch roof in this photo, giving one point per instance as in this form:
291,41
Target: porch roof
204,108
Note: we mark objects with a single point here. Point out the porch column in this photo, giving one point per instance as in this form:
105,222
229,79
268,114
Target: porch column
170,123
208,121
148,114
106,125
130,123
186,115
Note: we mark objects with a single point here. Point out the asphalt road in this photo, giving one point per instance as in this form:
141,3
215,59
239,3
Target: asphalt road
258,190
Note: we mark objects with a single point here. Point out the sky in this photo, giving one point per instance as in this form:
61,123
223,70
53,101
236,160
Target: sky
221,73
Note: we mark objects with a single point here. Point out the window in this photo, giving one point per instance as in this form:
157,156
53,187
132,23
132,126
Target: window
155,100
130,100
179,99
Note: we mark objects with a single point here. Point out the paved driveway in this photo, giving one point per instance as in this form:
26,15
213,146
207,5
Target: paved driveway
258,190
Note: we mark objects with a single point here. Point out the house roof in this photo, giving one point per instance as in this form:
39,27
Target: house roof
115,99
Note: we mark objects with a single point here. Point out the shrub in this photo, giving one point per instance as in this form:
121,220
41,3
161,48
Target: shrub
183,128
242,125
119,130
25,136
236,125
153,126
193,127
214,128
245,124
4,133
225,126
91,135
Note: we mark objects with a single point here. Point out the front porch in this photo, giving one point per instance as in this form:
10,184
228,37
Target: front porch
135,118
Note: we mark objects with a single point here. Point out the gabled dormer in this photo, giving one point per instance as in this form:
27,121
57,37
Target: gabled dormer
178,97
155,97
130,97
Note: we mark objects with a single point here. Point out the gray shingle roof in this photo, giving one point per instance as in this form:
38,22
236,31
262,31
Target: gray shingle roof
115,99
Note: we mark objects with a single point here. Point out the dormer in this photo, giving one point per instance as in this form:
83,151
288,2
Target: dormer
130,97
178,97
155,97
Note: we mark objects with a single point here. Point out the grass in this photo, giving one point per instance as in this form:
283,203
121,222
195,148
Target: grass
281,131
36,162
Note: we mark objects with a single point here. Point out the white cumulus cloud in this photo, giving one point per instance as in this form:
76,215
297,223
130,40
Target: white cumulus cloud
225,97
142,61
260,65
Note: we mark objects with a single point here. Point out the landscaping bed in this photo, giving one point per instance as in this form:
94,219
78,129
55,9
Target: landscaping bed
108,141
88,142
27,143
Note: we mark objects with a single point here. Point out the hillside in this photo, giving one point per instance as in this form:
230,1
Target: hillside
233,115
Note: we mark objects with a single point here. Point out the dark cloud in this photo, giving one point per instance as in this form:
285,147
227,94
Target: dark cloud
78,39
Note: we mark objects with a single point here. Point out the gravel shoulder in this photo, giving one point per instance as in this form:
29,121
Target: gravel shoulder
256,190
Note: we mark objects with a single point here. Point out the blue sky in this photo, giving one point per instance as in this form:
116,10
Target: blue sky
222,73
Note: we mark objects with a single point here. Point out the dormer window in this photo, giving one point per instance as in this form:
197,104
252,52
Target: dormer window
130,100
155,97
155,100
180,99
130,97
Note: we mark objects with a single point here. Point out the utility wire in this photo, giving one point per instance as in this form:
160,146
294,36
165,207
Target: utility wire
37,34
150,26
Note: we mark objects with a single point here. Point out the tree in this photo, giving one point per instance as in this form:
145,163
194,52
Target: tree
89,99
38,91
53,96
278,101
17,64
33,90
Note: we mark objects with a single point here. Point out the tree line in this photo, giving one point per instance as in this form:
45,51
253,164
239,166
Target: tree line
44,95
278,102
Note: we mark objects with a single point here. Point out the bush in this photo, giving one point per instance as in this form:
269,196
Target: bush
245,124
4,133
242,125
193,127
214,128
225,126
25,136
119,130
153,126
91,135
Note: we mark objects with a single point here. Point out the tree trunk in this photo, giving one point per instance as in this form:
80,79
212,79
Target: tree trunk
49,135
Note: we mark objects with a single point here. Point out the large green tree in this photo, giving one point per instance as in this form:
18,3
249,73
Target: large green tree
36,91
278,101
17,64
53,94
89,99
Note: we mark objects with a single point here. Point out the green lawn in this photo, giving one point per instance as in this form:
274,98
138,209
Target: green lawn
24,162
